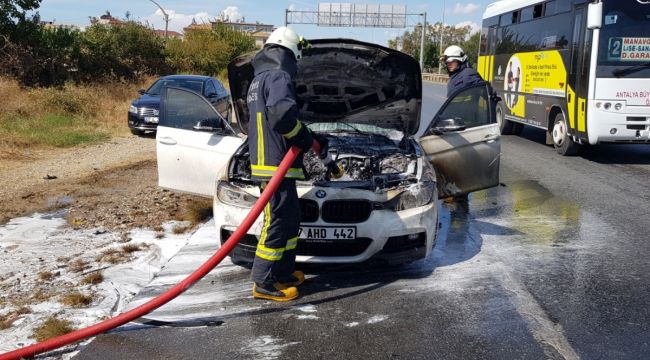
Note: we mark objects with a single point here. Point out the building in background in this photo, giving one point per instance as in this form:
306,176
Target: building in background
170,33
260,32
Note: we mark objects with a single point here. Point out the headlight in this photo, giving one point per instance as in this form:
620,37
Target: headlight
133,109
232,195
415,196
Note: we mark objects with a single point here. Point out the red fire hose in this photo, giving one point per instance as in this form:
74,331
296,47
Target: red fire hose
179,288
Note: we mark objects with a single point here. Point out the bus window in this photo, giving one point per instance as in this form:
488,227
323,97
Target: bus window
509,18
557,6
527,13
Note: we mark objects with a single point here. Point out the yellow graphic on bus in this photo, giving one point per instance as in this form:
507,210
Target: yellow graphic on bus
539,73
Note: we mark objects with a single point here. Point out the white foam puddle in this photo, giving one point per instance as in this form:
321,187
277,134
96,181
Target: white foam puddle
43,243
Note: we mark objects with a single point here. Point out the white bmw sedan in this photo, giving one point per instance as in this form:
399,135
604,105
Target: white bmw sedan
366,100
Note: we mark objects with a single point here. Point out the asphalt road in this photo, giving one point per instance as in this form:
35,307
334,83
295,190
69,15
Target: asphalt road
552,264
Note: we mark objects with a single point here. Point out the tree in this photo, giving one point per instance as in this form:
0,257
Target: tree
409,42
471,47
13,11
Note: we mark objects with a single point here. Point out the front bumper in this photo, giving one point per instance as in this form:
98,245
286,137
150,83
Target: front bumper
137,122
386,235
629,125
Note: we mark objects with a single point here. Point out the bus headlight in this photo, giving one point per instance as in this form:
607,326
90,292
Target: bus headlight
607,105
232,195
618,106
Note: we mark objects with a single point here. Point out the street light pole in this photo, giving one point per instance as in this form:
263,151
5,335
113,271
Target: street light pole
166,17
442,31
424,30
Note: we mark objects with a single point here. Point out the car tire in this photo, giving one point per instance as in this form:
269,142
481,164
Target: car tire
562,142
137,132
505,126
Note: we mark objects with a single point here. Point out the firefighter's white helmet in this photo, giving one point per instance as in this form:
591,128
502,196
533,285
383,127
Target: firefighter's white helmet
288,38
454,52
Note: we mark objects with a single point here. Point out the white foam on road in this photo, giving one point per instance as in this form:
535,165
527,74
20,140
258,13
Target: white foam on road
267,347
39,243
377,318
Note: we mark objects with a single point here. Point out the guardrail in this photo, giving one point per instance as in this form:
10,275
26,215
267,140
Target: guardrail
441,78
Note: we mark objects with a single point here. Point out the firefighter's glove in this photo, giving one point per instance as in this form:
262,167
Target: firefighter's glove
324,145
304,139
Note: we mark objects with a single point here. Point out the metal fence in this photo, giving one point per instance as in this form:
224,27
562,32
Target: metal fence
441,78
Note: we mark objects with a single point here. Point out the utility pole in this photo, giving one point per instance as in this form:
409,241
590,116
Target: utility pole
424,30
165,16
442,31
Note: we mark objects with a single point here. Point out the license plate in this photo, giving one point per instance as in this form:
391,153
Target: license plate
151,119
328,232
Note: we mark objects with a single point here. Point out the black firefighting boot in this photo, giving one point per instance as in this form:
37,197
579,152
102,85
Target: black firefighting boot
295,279
275,292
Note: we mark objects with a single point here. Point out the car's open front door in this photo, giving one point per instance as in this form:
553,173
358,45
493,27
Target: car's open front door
463,143
192,142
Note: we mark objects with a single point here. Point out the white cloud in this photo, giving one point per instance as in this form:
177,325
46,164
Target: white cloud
231,13
460,9
177,21
475,27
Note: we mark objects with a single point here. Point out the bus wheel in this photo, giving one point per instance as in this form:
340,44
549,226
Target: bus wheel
562,142
505,126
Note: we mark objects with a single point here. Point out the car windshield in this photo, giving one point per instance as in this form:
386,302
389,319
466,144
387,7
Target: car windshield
354,128
194,85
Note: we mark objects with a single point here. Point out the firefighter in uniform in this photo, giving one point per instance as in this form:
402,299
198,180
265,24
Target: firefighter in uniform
461,74
273,128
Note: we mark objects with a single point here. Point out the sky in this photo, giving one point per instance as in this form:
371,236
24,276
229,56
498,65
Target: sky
77,12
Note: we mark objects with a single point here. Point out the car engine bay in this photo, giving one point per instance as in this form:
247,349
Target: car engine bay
369,161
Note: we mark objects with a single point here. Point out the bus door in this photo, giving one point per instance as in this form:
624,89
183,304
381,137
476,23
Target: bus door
578,86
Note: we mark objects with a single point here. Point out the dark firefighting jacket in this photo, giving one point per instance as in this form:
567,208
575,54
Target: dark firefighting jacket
462,78
274,124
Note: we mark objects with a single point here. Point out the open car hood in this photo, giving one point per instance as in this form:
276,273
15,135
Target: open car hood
343,80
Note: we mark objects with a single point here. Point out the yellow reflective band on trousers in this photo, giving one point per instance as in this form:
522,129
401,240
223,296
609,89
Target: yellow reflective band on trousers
295,130
260,140
262,251
269,171
292,243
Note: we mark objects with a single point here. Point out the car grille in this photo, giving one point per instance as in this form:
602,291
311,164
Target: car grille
346,211
308,210
306,247
147,112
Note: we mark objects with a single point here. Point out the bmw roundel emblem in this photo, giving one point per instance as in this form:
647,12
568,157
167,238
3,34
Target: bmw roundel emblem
321,194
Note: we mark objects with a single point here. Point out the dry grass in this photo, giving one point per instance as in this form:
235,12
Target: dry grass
76,299
77,266
7,320
197,211
113,256
46,275
93,279
181,229
52,327
43,118
131,248
158,228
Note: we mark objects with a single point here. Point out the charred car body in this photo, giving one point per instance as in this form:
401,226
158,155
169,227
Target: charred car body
366,100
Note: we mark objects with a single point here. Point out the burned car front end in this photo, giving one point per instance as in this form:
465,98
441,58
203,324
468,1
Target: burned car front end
366,100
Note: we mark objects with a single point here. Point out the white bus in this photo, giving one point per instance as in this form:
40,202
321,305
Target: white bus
578,69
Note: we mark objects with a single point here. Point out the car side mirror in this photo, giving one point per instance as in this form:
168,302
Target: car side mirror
449,125
208,125
142,91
